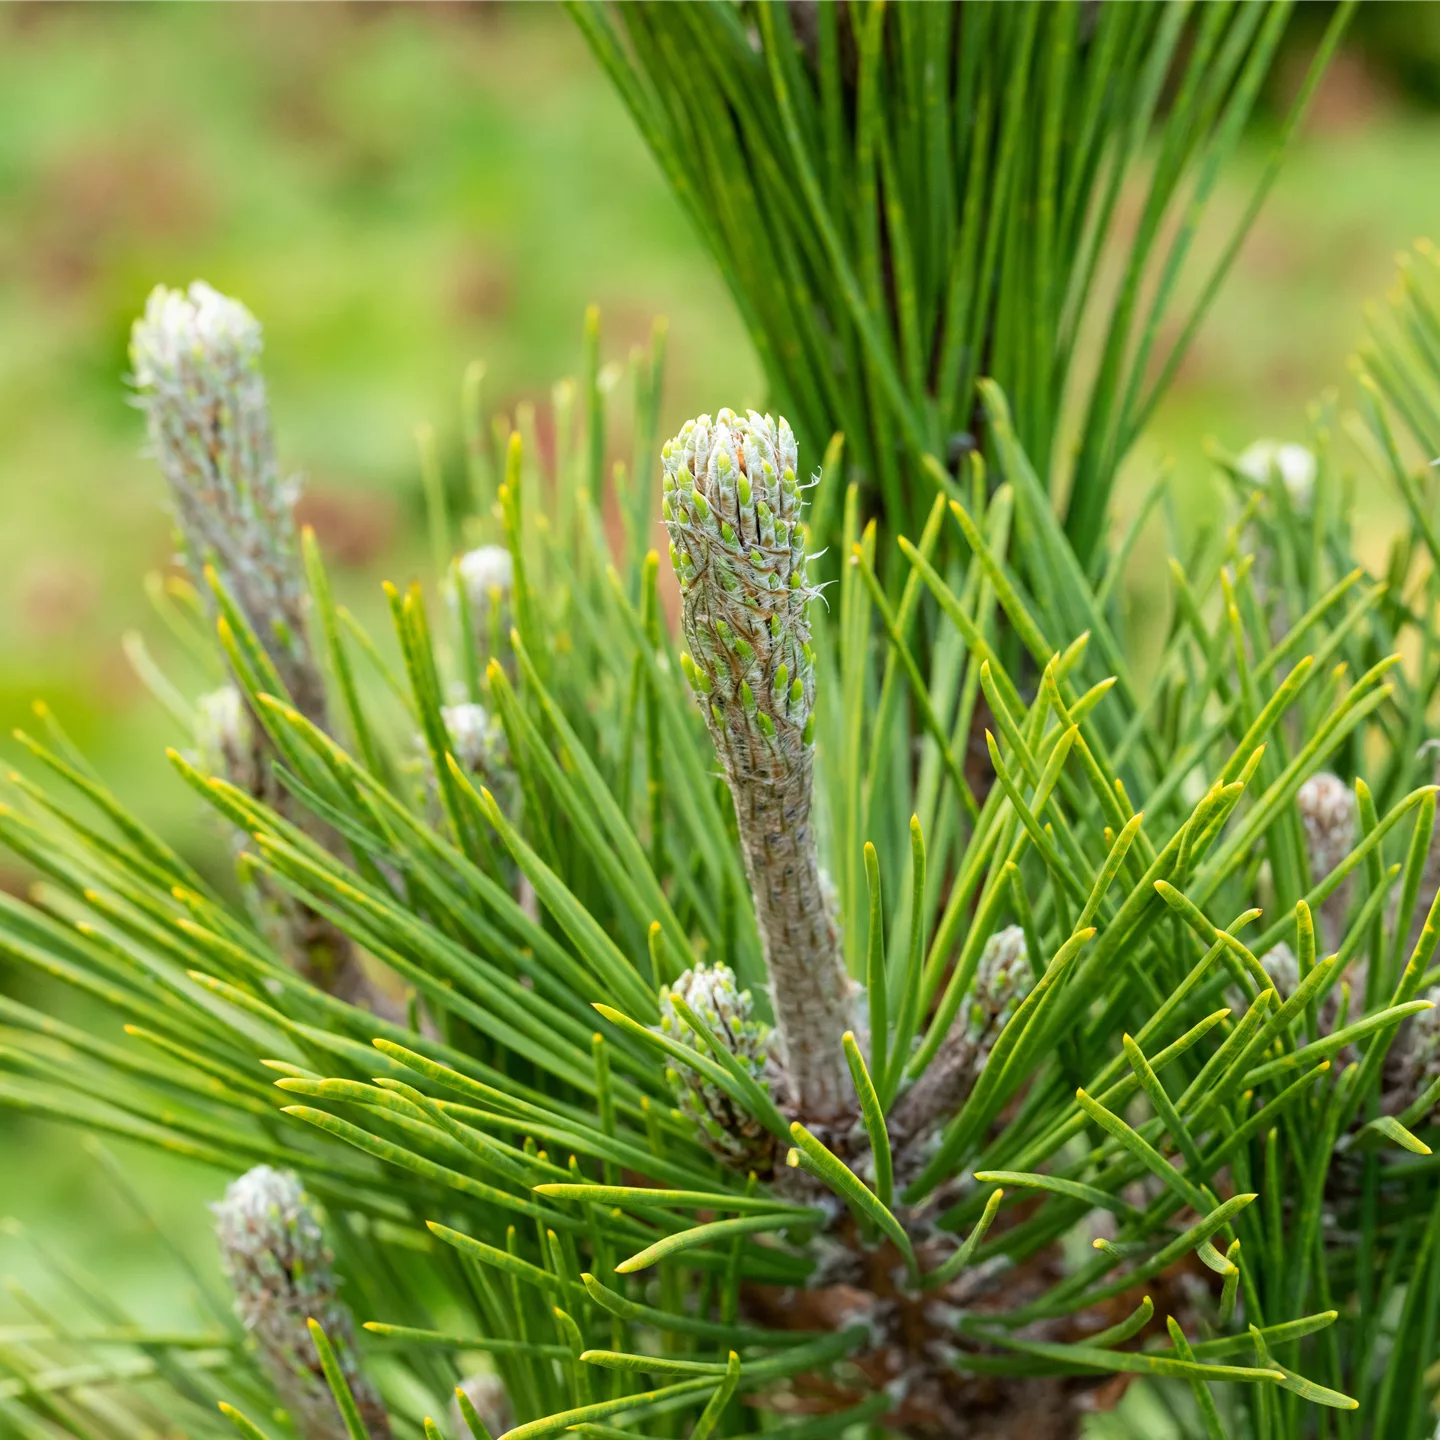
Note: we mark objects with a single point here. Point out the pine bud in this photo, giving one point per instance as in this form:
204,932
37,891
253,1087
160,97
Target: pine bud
1414,1062
1003,978
1328,814
487,1393
486,577
1332,1011
477,740
732,508
735,505
482,572
1283,969
195,357
227,743
231,747
711,992
282,1272
1295,465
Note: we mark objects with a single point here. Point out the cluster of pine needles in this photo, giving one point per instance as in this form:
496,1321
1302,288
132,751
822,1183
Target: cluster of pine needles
1212,1084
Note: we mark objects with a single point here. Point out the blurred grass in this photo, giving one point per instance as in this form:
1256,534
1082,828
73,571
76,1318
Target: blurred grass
396,191
393,191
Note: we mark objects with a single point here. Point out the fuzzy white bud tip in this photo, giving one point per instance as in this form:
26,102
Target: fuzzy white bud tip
476,738
1295,465
184,332
225,737
488,568
195,357
1002,977
282,1272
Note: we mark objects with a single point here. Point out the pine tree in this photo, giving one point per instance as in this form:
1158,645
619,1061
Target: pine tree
736,1053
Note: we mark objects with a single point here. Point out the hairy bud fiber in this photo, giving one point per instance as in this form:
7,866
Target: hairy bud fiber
1002,980
711,992
282,1273
732,507
195,357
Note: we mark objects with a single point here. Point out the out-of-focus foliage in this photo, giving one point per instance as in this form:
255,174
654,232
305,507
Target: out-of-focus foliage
1400,43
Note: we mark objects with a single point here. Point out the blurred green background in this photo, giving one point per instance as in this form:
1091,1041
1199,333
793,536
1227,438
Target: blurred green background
395,191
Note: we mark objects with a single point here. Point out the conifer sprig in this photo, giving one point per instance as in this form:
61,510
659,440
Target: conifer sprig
1088,960
905,198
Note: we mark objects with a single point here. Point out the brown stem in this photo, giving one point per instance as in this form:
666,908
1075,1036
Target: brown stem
810,991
